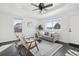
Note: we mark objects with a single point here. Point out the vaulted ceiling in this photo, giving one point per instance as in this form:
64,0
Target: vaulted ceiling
25,9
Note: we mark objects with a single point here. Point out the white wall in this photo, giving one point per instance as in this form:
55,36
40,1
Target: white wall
6,27
74,25
67,19
31,29
6,22
65,25
64,31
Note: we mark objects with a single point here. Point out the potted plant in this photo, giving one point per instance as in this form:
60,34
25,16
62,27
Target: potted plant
40,27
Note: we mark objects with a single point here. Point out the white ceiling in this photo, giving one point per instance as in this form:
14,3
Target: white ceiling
25,9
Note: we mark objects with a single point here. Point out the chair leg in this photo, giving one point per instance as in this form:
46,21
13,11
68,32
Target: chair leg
27,51
29,47
36,46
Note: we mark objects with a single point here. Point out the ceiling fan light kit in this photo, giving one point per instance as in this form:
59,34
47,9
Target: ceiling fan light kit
41,7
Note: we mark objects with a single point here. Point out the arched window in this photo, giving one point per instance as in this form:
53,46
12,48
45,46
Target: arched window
18,27
57,26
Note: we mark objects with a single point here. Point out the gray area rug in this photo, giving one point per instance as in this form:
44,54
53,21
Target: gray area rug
46,48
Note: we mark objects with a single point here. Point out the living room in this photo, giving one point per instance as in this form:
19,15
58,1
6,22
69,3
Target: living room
54,29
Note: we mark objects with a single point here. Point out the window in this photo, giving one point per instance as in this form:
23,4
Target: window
17,25
53,24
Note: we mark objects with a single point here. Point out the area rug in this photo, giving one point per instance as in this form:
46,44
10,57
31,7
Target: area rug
46,48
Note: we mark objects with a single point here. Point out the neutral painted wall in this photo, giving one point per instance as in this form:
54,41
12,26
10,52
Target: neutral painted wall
74,25
29,26
6,27
70,20
64,31
67,21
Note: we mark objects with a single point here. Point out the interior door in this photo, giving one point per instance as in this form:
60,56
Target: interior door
74,29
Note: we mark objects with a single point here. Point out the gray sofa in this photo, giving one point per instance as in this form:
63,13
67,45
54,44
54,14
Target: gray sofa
48,38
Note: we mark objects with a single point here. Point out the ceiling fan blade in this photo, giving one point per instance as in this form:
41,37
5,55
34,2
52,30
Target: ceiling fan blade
35,9
49,5
34,4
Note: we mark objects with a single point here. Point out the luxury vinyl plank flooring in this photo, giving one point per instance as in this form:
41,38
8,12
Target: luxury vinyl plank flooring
13,51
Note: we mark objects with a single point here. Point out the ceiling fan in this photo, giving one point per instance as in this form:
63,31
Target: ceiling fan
41,6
